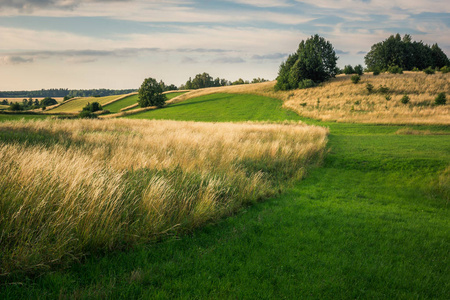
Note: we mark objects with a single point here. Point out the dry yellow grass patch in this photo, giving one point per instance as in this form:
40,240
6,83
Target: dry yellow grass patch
104,184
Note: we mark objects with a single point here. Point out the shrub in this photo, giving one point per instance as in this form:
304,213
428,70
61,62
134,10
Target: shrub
348,69
369,87
415,69
429,70
47,101
395,70
445,69
15,106
440,99
405,99
92,107
376,72
85,114
383,89
306,83
355,78
359,70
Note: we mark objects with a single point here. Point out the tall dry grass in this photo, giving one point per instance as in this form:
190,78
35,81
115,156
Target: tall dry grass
341,100
72,187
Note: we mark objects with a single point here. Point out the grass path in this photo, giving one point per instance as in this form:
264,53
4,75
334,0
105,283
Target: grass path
369,224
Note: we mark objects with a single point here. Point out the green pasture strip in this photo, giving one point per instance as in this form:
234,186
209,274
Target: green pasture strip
78,104
11,117
222,108
116,106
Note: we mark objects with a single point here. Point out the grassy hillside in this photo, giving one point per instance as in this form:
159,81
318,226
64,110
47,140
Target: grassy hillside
77,105
341,100
116,106
222,107
12,117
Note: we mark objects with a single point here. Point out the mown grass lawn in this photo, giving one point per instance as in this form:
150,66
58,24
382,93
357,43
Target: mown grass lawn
222,107
370,223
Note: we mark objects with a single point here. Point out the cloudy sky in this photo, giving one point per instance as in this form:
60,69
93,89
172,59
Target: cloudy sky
117,43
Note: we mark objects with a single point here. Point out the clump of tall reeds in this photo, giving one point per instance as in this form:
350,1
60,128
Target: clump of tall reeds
97,185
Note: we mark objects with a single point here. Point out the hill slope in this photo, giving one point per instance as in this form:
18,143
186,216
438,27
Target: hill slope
341,100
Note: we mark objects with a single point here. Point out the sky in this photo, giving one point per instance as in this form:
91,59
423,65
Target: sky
116,44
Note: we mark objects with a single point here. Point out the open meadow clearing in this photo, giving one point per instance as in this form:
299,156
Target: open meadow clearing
72,187
126,102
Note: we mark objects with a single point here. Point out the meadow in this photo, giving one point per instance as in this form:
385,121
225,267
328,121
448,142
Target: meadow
222,107
75,187
75,106
341,100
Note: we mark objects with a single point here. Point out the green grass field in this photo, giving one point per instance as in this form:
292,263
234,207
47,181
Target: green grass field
222,107
372,223
12,117
116,106
4,107
78,104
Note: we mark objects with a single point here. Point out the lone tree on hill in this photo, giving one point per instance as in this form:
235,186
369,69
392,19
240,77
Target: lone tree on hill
151,93
314,62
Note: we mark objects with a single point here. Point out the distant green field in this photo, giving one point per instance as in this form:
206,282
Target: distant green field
78,104
116,106
4,106
12,117
223,107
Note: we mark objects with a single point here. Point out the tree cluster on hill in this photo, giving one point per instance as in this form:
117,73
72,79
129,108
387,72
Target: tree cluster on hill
205,80
29,103
151,93
404,53
314,62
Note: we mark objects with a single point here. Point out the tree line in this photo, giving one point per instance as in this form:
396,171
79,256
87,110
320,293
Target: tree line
60,93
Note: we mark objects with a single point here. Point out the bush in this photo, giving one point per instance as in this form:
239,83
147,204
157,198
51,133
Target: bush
395,70
359,70
15,106
376,72
92,107
355,78
383,89
369,87
405,99
429,70
440,99
348,69
415,69
47,101
445,69
306,83
85,114
151,94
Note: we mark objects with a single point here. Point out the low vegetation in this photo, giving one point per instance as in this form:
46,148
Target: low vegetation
73,187
76,105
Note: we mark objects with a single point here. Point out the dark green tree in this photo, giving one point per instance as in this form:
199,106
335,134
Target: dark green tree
151,94
315,59
47,101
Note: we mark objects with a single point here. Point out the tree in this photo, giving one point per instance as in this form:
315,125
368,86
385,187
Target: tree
151,94
315,60
47,101
404,53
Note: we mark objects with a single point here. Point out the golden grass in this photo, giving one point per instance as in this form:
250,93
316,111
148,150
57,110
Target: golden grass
95,185
341,100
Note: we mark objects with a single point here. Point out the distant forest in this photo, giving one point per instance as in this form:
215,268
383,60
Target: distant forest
63,93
